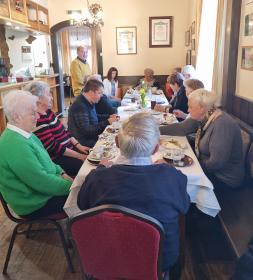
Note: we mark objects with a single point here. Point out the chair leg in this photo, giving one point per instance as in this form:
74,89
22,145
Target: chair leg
13,237
65,247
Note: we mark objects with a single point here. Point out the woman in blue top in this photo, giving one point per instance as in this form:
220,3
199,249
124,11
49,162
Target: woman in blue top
111,87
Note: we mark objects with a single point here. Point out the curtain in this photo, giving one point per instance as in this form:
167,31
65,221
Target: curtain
65,51
72,37
198,20
94,67
219,49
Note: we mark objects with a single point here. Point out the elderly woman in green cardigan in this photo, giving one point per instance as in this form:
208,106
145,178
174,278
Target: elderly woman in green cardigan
30,182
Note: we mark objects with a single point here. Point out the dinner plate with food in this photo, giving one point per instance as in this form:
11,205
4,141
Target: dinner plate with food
95,156
171,143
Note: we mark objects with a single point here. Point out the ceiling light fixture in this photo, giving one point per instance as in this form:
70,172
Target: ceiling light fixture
92,18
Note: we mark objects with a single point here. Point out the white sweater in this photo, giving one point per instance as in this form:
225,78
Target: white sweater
108,88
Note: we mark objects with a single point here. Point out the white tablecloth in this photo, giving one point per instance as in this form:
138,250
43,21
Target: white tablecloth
199,187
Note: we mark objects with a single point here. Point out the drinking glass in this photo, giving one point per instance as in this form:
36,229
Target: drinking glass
177,156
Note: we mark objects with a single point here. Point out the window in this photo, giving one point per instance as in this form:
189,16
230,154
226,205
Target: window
206,48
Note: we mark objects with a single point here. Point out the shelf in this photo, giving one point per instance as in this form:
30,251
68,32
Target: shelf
18,10
32,14
4,8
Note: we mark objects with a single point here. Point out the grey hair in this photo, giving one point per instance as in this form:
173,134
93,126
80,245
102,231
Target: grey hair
203,97
37,88
139,136
189,70
17,102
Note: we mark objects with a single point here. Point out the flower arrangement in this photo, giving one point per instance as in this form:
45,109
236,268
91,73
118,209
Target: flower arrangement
142,92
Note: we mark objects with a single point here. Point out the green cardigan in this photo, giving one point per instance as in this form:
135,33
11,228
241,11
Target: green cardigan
28,177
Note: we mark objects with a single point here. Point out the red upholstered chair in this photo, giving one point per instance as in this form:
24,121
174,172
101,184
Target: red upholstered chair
52,220
115,242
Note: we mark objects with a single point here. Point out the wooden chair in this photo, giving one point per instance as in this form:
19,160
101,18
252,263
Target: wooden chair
52,220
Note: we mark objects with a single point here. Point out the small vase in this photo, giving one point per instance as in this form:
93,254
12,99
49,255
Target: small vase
143,103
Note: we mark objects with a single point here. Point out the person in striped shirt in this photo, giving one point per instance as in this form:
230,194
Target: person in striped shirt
63,149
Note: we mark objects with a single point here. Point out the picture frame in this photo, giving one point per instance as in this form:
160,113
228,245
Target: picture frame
126,40
193,60
248,25
193,27
161,32
188,57
187,38
193,44
247,58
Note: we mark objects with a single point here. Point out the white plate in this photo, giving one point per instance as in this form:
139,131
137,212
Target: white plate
172,144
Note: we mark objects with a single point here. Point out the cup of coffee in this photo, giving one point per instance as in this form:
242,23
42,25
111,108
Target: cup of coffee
153,103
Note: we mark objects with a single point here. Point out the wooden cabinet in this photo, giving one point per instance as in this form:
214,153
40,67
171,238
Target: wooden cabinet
18,10
38,17
25,13
32,14
43,19
4,8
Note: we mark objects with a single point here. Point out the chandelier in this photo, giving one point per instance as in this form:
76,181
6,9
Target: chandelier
92,18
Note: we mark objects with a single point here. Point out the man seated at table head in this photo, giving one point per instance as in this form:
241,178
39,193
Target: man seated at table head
83,122
134,181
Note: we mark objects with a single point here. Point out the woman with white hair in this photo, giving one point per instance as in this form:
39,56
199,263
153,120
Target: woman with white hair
63,149
218,142
189,72
158,190
30,182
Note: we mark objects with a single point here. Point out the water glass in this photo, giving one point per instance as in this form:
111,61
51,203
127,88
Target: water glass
177,156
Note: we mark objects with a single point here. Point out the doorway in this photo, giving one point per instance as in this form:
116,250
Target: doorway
65,38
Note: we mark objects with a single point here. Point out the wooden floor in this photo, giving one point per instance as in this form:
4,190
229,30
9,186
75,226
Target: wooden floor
41,257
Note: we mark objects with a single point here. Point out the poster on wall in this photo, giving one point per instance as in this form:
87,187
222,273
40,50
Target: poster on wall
26,53
248,26
247,58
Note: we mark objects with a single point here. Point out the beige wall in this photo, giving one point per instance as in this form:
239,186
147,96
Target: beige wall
135,13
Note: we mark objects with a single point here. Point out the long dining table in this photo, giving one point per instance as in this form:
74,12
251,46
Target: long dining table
199,187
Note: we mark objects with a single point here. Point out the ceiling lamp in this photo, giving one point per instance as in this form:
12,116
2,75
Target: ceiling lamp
92,18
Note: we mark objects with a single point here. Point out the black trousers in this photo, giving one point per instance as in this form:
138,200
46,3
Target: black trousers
53,206
69,164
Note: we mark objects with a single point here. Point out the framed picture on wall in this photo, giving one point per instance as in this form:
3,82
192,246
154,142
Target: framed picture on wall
193,44
193,28
126,40
247,58
193,60
188,57
248,26
160,32
187,38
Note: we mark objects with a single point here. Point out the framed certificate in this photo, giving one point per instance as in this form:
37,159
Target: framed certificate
126,40
160,32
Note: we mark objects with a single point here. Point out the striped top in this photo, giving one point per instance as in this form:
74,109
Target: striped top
52,134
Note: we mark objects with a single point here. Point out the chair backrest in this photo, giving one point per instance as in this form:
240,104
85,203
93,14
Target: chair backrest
115,242
8,212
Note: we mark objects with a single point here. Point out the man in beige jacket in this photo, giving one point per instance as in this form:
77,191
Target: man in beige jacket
79,70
